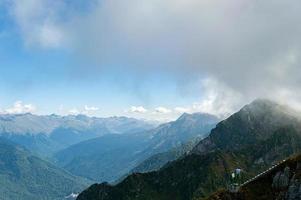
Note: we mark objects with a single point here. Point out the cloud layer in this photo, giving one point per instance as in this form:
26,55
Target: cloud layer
137,109
162,110
39,22
20,108
239,49
86,110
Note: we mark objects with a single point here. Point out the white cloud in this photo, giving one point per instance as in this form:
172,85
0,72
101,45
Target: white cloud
74,111
218,99
137,109
86,110
92,108
20,108
181,110
249,48
50,36
162,110
39,22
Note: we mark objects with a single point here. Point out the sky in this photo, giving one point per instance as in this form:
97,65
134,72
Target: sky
149,59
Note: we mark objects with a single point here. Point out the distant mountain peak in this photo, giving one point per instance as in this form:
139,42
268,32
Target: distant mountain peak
262,103
196,115
269,107
184,115
255,122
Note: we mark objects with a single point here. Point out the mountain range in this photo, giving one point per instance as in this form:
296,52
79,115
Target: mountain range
45,135
109,157
258,135
45,157
187,159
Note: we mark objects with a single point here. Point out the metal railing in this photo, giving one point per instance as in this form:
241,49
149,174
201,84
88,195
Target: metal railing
262,173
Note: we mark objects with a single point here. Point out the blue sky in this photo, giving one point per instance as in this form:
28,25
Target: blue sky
147,59
49,80
53,81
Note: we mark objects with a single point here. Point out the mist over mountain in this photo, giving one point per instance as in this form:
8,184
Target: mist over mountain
109,157
260,134
47,134
254,122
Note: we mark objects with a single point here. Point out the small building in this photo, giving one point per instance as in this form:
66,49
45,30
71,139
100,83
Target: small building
235,180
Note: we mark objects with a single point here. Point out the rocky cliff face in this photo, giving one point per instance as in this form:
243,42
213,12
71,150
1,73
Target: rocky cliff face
281,183
287,184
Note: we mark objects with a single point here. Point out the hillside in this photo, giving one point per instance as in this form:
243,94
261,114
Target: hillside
109,157
103,159
158,160
257,136
24,176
